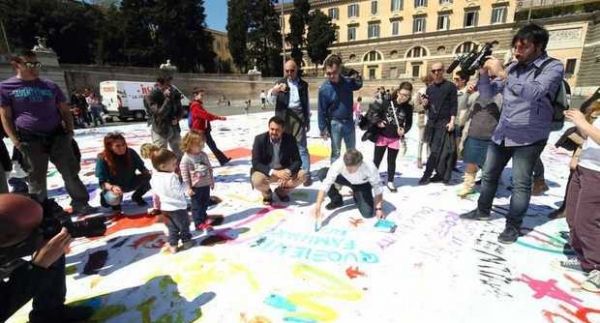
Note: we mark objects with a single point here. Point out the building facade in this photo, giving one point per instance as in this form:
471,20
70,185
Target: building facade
221,48
400,39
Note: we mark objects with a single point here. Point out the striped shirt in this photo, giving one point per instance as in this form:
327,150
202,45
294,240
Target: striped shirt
196,170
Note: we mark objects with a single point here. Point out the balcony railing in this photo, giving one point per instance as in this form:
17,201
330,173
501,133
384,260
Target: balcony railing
529,4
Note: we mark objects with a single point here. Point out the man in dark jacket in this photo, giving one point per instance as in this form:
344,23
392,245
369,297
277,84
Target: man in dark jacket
441,105
275,159
290,96
164,109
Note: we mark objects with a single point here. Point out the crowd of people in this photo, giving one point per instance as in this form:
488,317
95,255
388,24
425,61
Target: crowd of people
504,115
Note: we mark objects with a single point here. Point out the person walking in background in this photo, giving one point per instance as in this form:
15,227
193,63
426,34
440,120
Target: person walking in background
200,122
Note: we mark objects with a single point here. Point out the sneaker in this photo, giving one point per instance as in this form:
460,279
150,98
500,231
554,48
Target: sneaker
269,199
509,235
392,187
282,197
475,215
592,282
572,264
334,205
187,245
84,209
539,187
436,178
424,180
308,180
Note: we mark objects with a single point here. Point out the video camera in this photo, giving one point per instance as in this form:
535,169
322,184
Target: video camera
54,219
350,72
472,61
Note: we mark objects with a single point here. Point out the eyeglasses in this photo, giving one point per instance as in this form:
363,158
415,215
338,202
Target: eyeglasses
32,64
438,70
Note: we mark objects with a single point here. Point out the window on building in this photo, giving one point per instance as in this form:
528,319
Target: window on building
416,52
353,10
334,13
419,25
351,33
393,72
397,5
373,7
373,31
570,67
372,56
445,2
499,15
443,22
395,28
465,47
372,73
471,18
416,70
337,36
420,3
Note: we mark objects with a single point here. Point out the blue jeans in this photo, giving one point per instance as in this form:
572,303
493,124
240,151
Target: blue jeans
524,159
200,202
178,224
341,128
303,150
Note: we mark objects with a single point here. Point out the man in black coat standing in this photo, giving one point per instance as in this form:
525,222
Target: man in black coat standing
290,96
275,159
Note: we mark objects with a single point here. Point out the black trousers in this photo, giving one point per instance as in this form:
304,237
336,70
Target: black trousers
362,194
210,142
391,160
47,287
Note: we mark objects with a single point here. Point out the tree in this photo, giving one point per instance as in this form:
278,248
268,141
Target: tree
237,29
298,21
320,36
180,35
139,32
264,37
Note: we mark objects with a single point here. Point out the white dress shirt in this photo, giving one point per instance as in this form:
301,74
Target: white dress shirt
367,172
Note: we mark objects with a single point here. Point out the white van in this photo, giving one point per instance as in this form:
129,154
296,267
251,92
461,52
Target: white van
124,99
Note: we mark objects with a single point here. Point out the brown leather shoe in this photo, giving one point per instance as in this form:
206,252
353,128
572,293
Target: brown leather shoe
539,187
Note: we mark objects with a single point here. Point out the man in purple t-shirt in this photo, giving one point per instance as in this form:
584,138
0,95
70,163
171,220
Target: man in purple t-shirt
38,121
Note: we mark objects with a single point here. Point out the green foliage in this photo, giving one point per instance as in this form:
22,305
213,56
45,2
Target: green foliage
298,21
237,29
264,37
320,36
126,32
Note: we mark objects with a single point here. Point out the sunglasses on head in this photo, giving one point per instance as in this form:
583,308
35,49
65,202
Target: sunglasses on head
32,64
436,70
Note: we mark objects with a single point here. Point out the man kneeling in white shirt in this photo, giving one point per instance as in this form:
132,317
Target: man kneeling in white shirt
361,175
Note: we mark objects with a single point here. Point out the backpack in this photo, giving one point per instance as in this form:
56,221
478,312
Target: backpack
561,100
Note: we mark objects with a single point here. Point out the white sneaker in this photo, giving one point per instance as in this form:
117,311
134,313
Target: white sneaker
392,187
569,264
592,282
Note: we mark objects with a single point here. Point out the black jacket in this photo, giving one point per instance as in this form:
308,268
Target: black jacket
381,111
262,154
283,99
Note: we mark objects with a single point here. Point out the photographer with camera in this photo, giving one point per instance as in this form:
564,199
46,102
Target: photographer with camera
38,121
43,277
440,101
335,105
524,125
163,106
290,96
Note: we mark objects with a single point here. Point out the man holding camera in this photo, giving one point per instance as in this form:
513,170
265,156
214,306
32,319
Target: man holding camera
43,277
163,106
39,123
290,96
441,103
524,124
335,106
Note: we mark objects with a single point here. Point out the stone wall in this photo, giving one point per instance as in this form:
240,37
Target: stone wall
589,71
